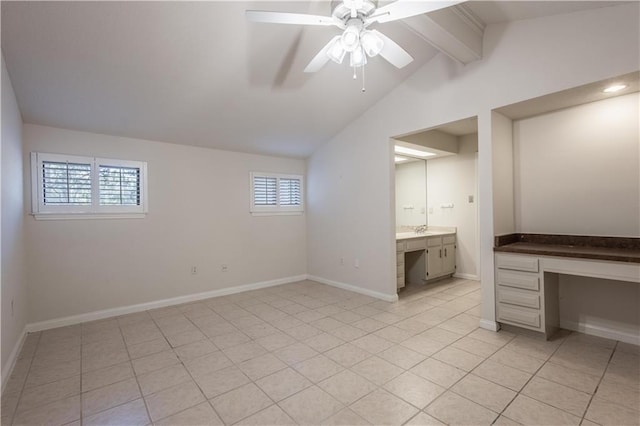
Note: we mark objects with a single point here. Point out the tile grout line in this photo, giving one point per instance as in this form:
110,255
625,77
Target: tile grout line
126,348
15,411
81,356
615,347
518,393
208,401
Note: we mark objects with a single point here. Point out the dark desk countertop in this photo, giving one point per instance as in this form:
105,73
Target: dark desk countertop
581,247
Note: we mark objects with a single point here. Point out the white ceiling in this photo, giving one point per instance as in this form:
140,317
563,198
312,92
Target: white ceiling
493,12
197,73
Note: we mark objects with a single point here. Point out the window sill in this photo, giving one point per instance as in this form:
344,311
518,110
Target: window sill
85,216
277,213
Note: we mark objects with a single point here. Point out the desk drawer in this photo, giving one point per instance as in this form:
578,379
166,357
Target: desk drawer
512,296
525,280
417,244
518,316
517,263
399,245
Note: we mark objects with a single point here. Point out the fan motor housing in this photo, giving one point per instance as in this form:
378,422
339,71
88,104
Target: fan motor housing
342,11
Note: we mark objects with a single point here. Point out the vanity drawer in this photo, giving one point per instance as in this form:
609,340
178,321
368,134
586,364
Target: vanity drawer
434,241
519,316
399,245
512,296
517,263
416,244
525,280
449,239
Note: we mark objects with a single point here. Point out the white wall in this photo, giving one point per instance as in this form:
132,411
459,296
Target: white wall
452,179
13,276
198,216
504,219
351,194
577,171
411,190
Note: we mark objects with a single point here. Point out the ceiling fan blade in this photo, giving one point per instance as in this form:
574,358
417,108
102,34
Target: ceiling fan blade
288,18
321,59
401,9
393,53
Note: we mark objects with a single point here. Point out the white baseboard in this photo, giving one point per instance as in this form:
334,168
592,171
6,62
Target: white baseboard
107,313
600,331
489,325
7,369
344,286
467,276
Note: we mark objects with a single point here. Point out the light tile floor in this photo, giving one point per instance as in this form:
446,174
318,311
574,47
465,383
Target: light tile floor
306,353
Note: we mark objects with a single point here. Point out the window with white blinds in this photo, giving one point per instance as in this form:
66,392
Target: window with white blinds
265,191
273,193
290,192
119,186
66,183
85,186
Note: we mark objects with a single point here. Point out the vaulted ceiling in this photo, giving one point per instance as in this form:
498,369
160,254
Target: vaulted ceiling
198,73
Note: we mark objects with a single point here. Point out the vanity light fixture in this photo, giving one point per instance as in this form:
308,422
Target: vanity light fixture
615,88
413,152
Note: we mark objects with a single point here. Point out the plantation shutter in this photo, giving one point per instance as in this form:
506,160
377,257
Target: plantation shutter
66,183
119,186
265,191
290,192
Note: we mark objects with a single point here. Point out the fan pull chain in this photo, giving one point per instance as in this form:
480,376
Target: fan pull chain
354,73
363,89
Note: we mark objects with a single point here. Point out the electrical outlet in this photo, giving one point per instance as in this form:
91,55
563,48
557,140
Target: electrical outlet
224,268
471,198
194,270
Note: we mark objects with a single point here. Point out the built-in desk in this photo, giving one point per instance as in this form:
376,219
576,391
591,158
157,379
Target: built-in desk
527,268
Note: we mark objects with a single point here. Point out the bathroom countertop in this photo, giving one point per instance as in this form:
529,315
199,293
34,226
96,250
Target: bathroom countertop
413,234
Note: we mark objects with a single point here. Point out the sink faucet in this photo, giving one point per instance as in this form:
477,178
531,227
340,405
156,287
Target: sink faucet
421,229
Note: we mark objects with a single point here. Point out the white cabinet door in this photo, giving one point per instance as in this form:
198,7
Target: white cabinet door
434,262
449,258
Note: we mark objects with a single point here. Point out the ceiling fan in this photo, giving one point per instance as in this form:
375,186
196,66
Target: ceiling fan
354,17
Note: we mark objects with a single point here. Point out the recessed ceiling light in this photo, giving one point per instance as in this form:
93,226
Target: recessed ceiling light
615,88
414,152
399,159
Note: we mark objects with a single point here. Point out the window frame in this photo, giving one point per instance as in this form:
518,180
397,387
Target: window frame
277,209
95,210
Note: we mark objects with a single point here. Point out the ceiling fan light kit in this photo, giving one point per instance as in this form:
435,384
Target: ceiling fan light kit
353,17
335,51
350,37
371,42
